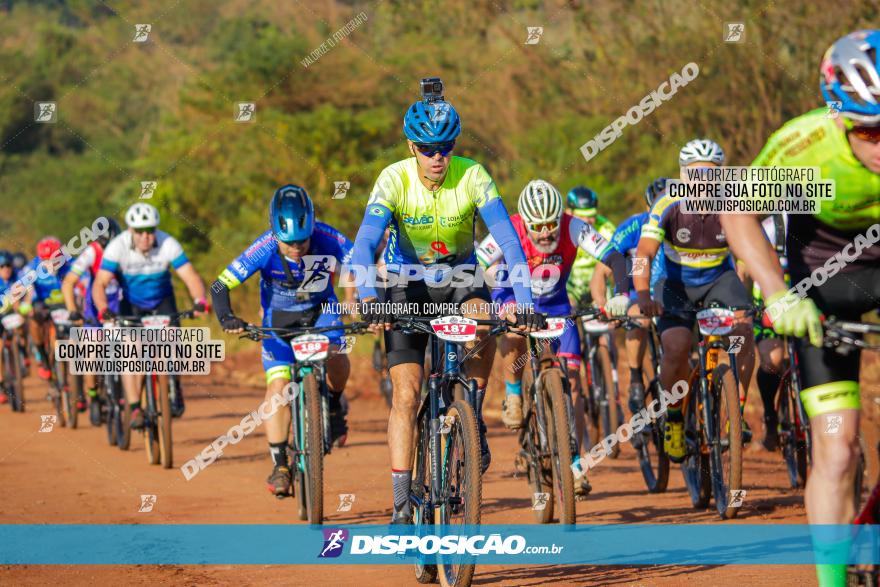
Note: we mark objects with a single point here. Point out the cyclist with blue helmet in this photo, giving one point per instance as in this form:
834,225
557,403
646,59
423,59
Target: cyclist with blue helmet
430,202
7,278
296,259
839,246
626,241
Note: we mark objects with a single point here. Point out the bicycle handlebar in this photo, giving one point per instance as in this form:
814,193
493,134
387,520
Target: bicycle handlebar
262,332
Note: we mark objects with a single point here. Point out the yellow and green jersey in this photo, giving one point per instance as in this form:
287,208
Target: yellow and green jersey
585,264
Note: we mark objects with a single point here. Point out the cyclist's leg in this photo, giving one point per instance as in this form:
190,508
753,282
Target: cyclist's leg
769,376
277,358
513,360
831,400
569,346
636,347
406,356
338,370
37,332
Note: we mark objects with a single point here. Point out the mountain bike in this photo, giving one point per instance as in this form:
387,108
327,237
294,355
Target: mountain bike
713,418
794,425
155,400
13,366
63,398
310,409
602,405
546,437
648,444
447,486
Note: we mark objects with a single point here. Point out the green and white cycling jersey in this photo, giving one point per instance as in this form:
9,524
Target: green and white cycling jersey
814,140
585,264
432,227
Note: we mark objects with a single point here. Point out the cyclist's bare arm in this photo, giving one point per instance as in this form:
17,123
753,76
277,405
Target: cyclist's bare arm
99,295
67,286
747,242
598,283
647,249
193,282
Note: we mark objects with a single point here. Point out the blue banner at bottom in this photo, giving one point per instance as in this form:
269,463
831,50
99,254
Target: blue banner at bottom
630,544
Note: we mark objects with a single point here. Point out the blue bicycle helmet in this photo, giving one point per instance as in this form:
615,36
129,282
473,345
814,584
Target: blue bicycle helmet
431,122
654,189
5,258
19,260
291,214
850,74
582,198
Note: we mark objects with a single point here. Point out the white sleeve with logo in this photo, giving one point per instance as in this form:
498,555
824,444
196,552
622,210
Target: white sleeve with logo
586,237
83,264
488,251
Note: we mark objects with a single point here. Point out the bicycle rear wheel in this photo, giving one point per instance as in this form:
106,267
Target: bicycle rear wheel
695,468
791,433
540,469
608,397
163,422
151,430
12,376
653,460
558,427
462,486
423,510
726,449
311,450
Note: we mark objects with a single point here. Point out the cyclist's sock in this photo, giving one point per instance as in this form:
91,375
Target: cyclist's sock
400,482
135,405
831,575
513,388
768,384
278,451
636,375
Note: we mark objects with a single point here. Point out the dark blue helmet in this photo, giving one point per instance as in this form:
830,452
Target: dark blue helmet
291,214
19,260
431,122
5,258
112,231
654,189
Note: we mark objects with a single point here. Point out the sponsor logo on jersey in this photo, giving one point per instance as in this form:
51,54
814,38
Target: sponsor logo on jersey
683,235
422,220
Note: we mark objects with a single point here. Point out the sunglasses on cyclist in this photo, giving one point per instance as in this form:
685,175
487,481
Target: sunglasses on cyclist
430,149
5,266
542,226
150,230
870,134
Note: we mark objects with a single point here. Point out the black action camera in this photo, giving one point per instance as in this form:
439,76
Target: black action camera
432,89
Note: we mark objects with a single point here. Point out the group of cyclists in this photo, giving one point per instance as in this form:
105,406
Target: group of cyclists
658,267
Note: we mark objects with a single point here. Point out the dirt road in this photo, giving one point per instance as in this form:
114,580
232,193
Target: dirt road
73,476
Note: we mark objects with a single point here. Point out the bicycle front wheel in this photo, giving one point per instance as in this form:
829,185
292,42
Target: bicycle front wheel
792,444
608,397
653,460
462,486
163,422
151,430
696,468
310,451
726,448
420,489
558,428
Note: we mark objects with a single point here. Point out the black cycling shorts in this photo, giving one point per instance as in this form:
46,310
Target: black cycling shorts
167,306
681,302
846,296
410,348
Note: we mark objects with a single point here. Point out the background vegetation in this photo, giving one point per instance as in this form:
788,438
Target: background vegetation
163,110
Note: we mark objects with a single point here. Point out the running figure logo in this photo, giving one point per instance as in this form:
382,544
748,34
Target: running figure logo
638,265
534,35
440,112
318,269
340,188
736,498
142,32
47,423
539,501
245,111
147,503
346,344
833,423
147,189
736,343
333,541
346,500
735,32
45,112
834,108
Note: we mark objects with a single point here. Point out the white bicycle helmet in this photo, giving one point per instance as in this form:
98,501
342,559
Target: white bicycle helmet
540,202
701,151
142,215
851,75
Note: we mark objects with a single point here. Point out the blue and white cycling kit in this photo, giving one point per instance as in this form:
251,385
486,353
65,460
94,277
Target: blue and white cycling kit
47,288
307,290
626,241
145,277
